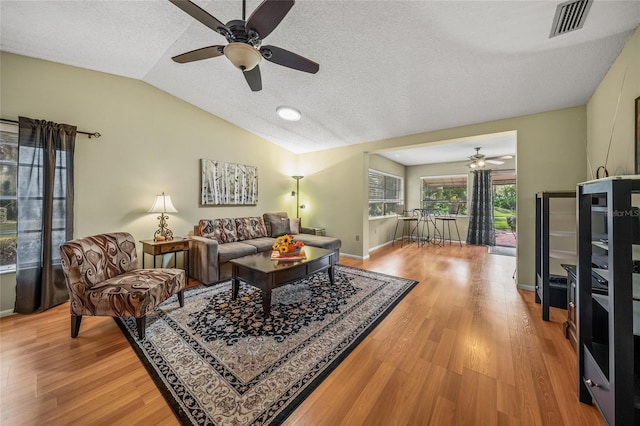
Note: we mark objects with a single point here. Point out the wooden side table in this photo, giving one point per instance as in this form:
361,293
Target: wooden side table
155,248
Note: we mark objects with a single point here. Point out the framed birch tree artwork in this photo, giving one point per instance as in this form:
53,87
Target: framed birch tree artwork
227,184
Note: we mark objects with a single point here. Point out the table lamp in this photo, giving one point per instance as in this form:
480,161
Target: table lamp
162,205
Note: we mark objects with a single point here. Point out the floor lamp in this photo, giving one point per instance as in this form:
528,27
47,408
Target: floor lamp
297,178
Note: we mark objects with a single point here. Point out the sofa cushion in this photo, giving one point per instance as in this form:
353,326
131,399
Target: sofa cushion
262,244
328,243
248,228
269,218
229,251
133,293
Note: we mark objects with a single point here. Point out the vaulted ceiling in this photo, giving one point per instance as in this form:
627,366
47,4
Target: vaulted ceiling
387,68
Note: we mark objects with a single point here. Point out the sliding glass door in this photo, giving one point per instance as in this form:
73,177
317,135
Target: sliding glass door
504,207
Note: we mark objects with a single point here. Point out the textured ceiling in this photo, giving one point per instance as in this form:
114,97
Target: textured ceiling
457,150
387,68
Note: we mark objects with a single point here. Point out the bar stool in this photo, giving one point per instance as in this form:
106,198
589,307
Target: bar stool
426,221
454,208
409,221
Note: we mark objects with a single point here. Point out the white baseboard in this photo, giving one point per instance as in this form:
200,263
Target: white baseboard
353,256
6,313
526,287
380,246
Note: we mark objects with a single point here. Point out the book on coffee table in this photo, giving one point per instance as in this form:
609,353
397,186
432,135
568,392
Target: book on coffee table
276,255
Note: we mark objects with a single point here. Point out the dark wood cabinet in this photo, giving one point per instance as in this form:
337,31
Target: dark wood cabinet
598,286
555,245
609,320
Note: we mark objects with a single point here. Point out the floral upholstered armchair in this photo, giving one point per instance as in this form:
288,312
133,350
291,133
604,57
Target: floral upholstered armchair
103,278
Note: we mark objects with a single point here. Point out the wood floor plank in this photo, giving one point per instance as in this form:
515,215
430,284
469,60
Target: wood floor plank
463,347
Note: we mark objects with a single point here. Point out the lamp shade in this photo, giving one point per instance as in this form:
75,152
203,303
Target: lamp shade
163,204
242,55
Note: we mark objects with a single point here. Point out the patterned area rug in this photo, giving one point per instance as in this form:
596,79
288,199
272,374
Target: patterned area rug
219,362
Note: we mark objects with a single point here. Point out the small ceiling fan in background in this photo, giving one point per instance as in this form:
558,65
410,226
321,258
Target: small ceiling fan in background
479,160
244,37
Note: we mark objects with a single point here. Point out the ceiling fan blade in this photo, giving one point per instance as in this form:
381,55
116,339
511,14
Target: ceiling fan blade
200,14
498,162
253,78
288,59
199,54
267,16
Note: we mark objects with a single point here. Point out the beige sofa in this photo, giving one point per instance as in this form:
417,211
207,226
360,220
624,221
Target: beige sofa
217,241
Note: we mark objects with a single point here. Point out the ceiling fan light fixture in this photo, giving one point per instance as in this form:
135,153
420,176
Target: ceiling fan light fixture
480,162
473,165
242,55
288,113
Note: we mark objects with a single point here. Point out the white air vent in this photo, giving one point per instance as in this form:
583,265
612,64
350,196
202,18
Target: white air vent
570,16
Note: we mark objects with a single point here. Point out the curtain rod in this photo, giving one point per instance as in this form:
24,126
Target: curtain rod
89,134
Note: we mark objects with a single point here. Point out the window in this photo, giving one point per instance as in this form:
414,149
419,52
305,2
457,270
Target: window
439,191
8,206
385,193
32,167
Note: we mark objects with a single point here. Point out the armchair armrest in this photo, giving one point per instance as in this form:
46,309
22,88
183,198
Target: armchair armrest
203,259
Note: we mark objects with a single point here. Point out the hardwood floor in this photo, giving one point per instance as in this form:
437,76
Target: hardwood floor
464,347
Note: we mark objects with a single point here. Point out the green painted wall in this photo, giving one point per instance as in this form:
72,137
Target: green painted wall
550,155
611,114
151,142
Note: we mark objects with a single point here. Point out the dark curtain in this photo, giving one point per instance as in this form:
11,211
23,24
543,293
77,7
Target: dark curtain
45,212
481,227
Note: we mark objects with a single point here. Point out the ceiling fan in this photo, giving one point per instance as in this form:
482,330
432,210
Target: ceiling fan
479,160
244,37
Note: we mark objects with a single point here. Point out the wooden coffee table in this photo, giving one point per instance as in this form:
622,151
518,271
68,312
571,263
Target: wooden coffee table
266,274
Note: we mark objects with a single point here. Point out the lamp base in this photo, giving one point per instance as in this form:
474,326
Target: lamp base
163,233
159,236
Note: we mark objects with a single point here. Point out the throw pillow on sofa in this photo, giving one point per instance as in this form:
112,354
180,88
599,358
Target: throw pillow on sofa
294,225
248,228
270,218
211,229
279,223
280,227
221,230
229,230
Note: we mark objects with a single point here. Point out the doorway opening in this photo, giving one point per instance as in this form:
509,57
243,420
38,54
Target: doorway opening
504,207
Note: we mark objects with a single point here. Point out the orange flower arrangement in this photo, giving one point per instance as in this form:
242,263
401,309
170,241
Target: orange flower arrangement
287,244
